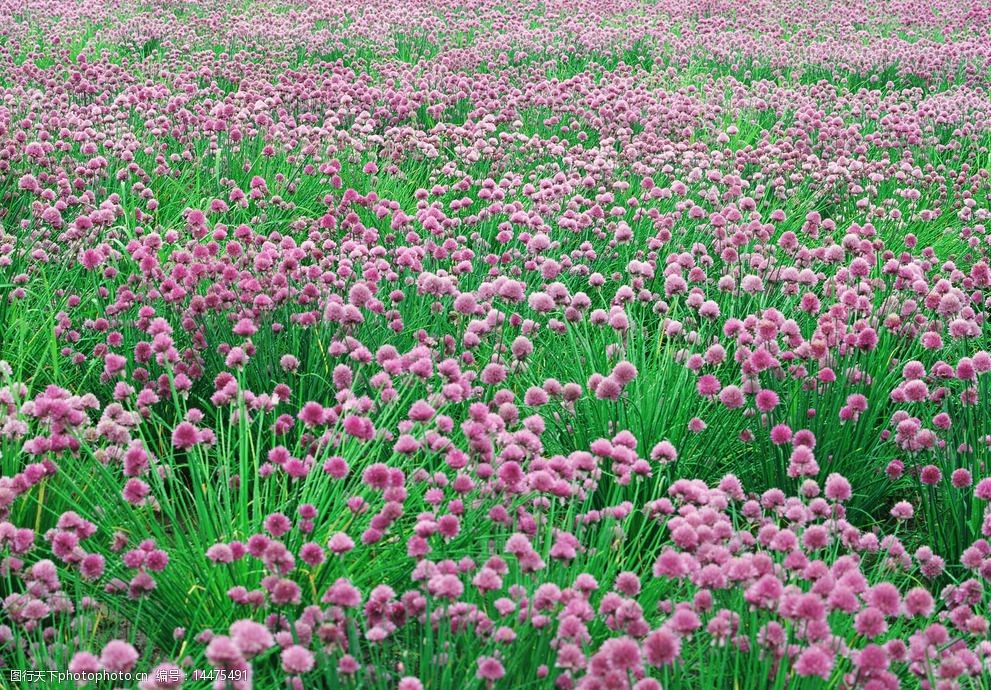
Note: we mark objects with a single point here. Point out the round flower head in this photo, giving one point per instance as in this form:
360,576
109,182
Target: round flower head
661,648
902,510
608,389
766,400
490,668
664,452
780,434
297,659
250,637
961,478
838,488
731,396
624,372
118,656
930,475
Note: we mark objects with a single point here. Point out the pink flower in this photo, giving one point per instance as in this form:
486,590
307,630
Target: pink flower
780,434
731,396
870,622
296,659
348,665
961,478
838,488
493,374
664,452
84,662
118,656
608,389
661,648
135,491
311,414
342,593
490,669
766,400
446,586
312,554
336,467
421,411
623,653
885,597
624,372
340,543
894,469
708,385
902,510
814,661
918,602
220,553
930,475
277,524
376,475
185,436
521,347
342,376
250,637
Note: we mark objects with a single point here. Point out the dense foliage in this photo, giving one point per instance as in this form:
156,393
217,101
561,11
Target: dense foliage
564,344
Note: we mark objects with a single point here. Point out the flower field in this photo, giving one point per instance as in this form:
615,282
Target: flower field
571,344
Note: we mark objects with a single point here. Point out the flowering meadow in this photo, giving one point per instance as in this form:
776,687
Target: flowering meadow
429,345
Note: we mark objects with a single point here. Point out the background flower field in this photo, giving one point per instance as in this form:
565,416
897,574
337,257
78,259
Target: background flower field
563,344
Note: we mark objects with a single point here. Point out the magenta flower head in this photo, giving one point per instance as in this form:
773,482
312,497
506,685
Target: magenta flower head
250,637
118,656
624,372
336,467
84,662
766,400
961,478
340,543
135,491
490,669
311,414
661,648
780,434
277,524
918,602
521,347
731,396
894,469
608,389
297,659
708,385
664,452
92,565
930,475
838,488
814,661
902,510
185,436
